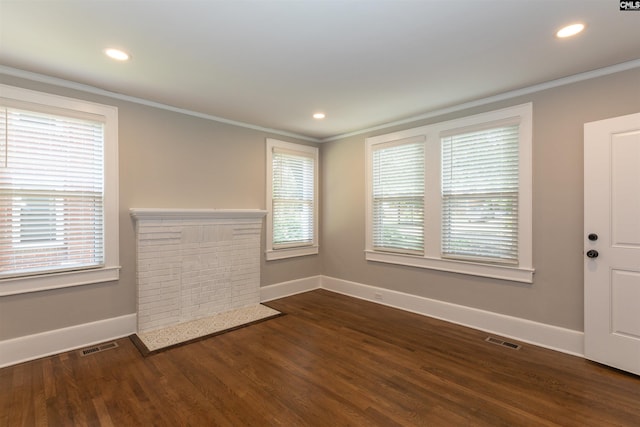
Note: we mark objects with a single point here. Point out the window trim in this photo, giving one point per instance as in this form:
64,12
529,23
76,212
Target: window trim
294,250
110,271
432,258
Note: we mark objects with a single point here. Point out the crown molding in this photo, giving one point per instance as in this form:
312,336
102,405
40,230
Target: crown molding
67,84
28,75
624,66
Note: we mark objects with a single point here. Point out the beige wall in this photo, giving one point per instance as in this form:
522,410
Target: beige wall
173,160
169,160
556,296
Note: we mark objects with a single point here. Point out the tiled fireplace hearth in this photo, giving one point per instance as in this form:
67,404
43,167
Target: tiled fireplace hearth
195,263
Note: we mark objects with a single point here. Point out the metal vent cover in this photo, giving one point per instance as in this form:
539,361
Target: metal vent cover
507,344
98,348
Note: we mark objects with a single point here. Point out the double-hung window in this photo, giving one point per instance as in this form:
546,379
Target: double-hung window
480,195
58,192
398,196
292,200
473,177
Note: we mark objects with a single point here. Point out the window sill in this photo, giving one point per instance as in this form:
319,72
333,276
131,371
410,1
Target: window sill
67,279
515,274
290,252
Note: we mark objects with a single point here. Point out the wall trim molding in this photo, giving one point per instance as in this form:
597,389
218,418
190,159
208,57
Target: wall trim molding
55,81
67,84
35,346
540,334
292,287
548,336
575,78
30,347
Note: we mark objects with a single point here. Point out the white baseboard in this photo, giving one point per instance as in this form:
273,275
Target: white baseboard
30,347
43,344
540,334
292,287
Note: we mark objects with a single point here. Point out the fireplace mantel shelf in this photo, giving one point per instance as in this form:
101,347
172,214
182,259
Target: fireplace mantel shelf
191,214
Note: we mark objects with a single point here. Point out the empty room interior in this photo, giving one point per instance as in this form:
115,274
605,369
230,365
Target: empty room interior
279,212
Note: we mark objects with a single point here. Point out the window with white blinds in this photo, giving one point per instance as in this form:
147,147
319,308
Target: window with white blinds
53,204
398,196
292,199
454,196
480,195
51,193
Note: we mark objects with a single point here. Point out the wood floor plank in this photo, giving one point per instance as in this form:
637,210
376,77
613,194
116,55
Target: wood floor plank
331,360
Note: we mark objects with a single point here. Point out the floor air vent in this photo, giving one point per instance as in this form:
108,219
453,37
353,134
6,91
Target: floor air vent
98,348
497,341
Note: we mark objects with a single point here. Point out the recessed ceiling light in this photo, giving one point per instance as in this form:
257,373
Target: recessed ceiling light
319,116
570,30
117,54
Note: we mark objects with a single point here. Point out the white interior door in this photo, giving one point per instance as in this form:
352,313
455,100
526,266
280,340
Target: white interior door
612,242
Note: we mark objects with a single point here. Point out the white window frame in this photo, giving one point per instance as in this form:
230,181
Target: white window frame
110,271
274,253
432,258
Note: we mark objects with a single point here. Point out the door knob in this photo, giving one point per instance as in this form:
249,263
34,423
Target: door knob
593,237
592,253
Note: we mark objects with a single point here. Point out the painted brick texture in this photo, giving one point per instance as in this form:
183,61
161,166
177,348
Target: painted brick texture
190,269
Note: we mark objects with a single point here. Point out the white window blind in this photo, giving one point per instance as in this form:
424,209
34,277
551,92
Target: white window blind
480,195
293,198
398,196
51,193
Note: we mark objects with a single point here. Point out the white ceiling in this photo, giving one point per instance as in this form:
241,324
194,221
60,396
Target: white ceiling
274,63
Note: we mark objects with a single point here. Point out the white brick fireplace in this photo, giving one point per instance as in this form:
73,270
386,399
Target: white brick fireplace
195,263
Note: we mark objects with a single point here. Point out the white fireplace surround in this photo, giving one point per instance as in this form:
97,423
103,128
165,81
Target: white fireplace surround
194,263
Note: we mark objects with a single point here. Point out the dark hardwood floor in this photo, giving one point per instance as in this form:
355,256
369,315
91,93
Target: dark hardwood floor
330,361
